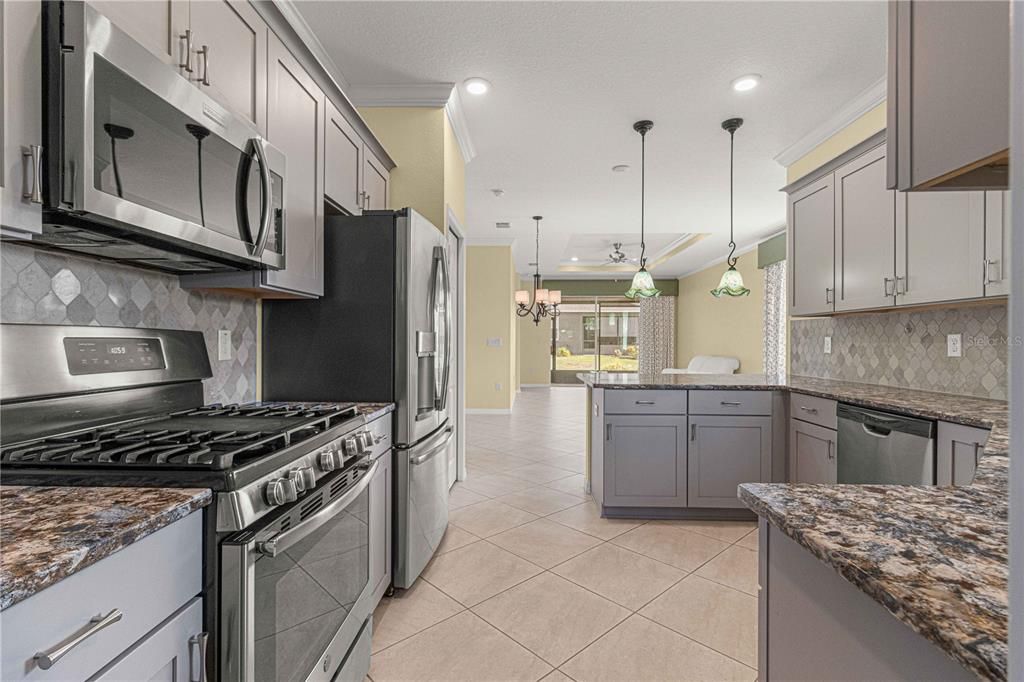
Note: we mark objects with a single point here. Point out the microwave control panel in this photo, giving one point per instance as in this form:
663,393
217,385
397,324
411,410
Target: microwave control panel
99,355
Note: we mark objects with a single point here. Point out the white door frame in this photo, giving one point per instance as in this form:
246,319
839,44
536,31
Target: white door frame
455,227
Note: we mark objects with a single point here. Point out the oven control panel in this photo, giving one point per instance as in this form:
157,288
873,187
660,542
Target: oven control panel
99,355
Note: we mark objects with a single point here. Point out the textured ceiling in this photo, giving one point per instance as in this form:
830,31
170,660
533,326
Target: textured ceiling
570,78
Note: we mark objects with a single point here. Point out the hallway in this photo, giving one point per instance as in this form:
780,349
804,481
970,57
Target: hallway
531,583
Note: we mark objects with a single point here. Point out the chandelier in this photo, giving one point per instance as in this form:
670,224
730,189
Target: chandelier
545,303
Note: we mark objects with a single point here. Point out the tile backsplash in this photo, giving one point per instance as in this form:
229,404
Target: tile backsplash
48,287
908,349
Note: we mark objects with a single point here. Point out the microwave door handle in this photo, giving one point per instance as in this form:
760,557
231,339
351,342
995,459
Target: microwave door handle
282,541
267,209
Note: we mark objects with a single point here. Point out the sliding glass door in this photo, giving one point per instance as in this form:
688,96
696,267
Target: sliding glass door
594,334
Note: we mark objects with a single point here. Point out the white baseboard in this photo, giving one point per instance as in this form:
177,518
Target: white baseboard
534,385
481,410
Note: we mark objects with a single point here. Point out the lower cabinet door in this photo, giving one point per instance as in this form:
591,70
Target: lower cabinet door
173,652
724,452
380,528
812,453
645,461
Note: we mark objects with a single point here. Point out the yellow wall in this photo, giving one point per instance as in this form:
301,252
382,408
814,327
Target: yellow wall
706,325
858,131
454,174
534,348
490,275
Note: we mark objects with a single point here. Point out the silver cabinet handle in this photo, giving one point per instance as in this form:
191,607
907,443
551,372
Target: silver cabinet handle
987,277
729,403
693,432
46,659
809,410
35,158
187,37
831,450
644,402
367,201
828,295
197,642
886,282
901,279
608,432
205,52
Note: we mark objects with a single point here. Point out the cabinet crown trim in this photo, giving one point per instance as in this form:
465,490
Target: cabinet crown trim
830,166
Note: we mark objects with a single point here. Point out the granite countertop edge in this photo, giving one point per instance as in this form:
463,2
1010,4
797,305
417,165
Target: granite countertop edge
49,533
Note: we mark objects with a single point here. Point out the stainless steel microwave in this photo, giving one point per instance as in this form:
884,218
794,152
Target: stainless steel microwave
141,166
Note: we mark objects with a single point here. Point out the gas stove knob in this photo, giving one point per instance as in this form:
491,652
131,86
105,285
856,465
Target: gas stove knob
280,491
304,478
366,440
351,447
327,460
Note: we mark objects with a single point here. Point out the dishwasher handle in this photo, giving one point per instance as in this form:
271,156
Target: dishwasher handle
882,424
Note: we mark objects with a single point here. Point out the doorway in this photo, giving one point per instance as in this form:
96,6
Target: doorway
456,387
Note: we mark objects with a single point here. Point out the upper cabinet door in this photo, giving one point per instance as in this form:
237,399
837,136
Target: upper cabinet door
997,243
343,162
161,26
940,242
376,182
295,125
811,242
865,236
21,131
229,42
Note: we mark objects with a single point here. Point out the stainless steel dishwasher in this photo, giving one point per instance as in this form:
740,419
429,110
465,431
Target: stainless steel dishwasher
878,447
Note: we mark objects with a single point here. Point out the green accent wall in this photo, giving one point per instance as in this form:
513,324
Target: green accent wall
606,287
771,251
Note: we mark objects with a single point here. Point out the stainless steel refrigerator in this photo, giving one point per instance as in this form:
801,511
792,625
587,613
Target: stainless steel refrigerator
382,332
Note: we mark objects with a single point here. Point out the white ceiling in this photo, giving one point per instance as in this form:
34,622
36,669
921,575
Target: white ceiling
570,78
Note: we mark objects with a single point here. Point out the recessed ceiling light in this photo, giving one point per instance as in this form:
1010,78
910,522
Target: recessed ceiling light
476,86
748,82
574,259
620,168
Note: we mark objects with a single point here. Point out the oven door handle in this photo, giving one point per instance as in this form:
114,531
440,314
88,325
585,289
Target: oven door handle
282,541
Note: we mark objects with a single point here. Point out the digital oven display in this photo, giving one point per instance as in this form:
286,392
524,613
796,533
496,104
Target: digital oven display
101,355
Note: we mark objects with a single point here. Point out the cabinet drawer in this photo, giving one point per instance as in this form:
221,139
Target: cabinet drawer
644,402
731,402
808,408
147,581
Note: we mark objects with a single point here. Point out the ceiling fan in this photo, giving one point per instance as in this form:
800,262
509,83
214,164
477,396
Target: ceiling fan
617,257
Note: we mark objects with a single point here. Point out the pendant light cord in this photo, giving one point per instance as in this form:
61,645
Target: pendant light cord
732,260
643,194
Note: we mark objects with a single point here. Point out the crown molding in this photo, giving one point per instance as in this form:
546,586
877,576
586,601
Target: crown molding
306,35
408,95
453,108
855,108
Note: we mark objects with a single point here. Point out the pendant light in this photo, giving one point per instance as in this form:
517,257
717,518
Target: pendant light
545,303
731,283
643,283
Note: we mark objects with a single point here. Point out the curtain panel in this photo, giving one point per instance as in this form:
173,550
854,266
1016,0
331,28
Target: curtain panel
657,334
775,320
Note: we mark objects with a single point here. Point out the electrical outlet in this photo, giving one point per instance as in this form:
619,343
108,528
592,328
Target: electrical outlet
828,345
497,387
224,344
954,345
494,342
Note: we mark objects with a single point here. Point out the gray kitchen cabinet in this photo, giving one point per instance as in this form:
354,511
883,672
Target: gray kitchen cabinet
997,243
644,461
343,161
229,62
380,528
21,125
812,453
811,267
940,246
723,452
948,94
376,182
160,26
865,213
296,109
171,653
957,449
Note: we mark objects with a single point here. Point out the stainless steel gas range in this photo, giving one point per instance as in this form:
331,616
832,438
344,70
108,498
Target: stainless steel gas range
291,571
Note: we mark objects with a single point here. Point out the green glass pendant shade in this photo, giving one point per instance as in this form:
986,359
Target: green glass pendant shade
731,284
643,285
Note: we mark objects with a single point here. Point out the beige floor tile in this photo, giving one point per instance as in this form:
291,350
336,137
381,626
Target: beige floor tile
544,542
541,500
409,612
455,537
725,531
681,548
735,567
640,650
586,517
477,572
557,676
625,577
489,518
495,485
462,496
539,473
573,485
462,648
551,617
749,540
573,463
720,617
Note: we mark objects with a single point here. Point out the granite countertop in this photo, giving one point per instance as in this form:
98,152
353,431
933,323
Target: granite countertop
374,410
935,557
50,533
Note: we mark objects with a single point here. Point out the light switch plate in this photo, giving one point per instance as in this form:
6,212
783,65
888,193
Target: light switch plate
494,342
224,344
828,345
954,345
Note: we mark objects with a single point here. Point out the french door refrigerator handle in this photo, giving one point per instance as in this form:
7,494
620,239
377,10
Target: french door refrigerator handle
432,452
